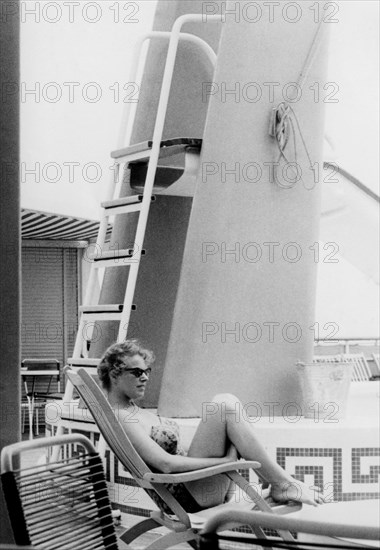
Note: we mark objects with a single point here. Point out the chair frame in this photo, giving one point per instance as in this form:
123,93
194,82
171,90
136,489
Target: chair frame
223,521
62,504
36,400
183,527
360,371
376,360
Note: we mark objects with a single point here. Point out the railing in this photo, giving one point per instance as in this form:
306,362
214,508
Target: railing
369,347
350,345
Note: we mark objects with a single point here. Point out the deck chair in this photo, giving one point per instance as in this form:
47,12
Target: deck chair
376,360
215,537
361,371
58,505
360,368
326,358
38,389
183,527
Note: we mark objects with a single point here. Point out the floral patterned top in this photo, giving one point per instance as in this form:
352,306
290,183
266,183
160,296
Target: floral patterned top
166,435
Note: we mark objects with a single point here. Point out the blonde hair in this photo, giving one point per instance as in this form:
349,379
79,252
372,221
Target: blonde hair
114,357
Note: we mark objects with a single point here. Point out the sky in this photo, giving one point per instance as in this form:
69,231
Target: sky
353,123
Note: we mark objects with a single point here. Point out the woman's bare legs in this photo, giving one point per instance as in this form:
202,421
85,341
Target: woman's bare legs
211,440
224,423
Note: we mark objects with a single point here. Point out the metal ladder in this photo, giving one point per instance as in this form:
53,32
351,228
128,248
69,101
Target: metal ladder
152,151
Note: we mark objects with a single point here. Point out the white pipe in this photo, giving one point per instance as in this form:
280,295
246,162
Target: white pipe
129,112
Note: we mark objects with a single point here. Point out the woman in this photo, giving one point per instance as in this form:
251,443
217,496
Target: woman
124,372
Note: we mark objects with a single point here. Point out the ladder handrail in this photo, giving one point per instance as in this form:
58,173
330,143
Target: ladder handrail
125,134
175,35
129,114
127,121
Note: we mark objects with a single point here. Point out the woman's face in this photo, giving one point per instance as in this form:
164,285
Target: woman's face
132,380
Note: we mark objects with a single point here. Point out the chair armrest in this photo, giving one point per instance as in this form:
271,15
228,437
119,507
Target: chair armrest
183,477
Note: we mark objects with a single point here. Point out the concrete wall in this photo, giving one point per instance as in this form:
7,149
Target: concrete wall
240,322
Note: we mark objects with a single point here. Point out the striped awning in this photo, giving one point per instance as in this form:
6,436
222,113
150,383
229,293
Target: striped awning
41,225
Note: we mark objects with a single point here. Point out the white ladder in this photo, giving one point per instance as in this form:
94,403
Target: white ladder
150,151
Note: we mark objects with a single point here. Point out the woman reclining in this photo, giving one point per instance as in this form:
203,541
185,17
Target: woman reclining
124,372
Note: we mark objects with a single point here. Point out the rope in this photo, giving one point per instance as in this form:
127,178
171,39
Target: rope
283,116
312,54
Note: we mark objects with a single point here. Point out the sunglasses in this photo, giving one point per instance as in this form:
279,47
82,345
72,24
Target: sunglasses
137,373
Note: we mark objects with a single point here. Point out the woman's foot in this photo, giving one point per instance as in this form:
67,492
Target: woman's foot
296,490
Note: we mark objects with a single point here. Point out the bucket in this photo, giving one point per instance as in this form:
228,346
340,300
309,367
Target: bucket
325,388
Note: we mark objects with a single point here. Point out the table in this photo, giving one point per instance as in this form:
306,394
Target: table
355,512
30,393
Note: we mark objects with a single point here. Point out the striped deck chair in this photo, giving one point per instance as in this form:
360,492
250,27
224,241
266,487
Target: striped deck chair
360,371
62,504
376,360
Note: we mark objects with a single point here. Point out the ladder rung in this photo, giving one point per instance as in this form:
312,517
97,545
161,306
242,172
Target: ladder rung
110,312
105,316
105,311
133,199
142,151
102,308
112,254
83,362
122,205
136,153
116,258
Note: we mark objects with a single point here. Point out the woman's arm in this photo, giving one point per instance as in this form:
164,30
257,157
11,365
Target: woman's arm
162,461
177,463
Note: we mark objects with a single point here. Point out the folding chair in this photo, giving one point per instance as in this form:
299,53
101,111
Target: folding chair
40,373
58,505
360,371
310,535
326,358
183,527
376,360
